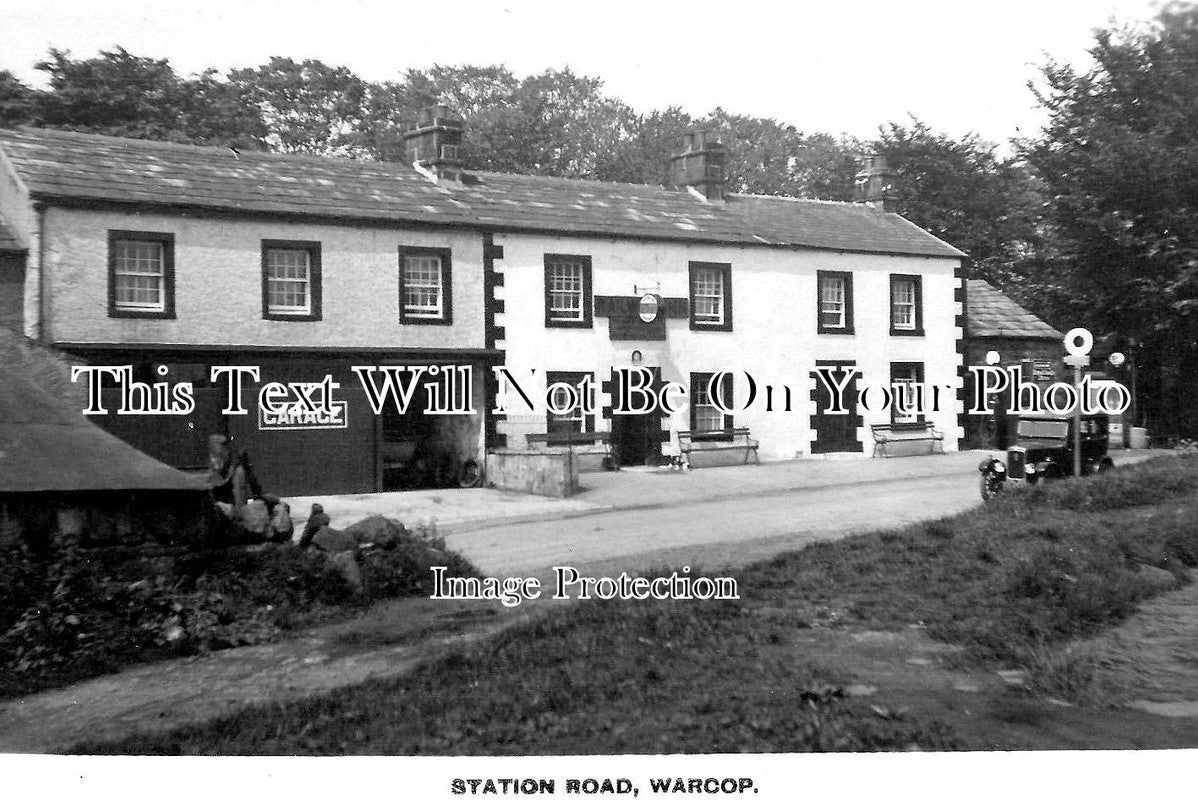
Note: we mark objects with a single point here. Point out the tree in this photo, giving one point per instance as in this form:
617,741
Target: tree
18,103
307,106
962,191
769,157
1119,158
120,94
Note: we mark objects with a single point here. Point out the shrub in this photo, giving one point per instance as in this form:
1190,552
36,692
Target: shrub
405,569
85,612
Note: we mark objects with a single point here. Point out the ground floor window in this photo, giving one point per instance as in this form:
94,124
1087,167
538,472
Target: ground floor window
706,417
574,421
905,379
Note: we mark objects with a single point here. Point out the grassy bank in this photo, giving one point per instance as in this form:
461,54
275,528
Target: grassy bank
71,615
1007,581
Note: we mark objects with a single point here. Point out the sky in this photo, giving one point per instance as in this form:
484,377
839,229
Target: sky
960,66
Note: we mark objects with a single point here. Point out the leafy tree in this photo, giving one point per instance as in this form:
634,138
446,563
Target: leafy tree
1119,159
18,103
307,106
962,191
768,157
120,94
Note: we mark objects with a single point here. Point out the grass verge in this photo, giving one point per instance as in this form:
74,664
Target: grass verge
1008,581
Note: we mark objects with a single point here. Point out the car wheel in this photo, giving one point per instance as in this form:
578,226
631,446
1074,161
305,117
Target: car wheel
990,488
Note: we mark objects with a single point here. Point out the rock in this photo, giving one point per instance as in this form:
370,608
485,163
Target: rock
1155,578
378,531
254,517
347,564
331,540
281,526
859,690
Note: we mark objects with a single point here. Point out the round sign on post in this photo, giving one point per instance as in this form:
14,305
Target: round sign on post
649,308
1078,343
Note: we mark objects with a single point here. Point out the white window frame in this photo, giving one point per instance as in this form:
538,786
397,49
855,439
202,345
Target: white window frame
907,385
910,307
563,269
283,281
119,273
424,310
706,410
833,305
702,276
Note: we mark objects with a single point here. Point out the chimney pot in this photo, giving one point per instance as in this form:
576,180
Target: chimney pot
700,164
874,183
435,142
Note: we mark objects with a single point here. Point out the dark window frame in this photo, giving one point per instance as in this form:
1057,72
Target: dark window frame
588,315
446,255
315,276
920,418
167,240
701,379
726,269
917,280
847,277
587,423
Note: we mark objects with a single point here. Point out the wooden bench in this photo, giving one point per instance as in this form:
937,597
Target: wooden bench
905,432
714,441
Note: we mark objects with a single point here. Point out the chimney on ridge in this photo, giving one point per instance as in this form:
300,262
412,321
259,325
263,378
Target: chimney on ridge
700,165
435,143
874,183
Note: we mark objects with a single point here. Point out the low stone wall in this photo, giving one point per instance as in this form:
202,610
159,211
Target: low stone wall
587,457
543,472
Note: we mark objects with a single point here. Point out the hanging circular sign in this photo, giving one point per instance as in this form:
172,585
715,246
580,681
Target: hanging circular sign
649,307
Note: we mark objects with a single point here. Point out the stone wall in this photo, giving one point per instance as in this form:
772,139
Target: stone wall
552,474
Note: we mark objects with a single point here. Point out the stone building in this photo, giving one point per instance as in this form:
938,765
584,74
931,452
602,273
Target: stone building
172,259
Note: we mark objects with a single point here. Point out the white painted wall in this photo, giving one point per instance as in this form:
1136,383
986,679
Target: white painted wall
20,217
218,284
774,334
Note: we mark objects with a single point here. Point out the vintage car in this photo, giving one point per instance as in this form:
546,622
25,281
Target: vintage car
1043,449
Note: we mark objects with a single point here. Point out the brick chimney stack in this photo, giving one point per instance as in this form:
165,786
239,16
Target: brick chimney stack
874,183
700,165
435,142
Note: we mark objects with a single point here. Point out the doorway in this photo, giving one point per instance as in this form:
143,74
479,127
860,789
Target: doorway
636,438
835,433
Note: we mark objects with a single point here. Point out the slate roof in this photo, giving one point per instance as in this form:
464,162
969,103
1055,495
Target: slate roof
47,446
8,242
81,167
990,313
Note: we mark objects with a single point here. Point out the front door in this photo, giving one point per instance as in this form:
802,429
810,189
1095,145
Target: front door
835,433
636,438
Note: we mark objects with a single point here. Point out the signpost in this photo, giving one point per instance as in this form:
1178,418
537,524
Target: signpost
1078,343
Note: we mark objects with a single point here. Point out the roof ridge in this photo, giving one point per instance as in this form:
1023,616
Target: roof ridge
793,199
95,167
215,149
